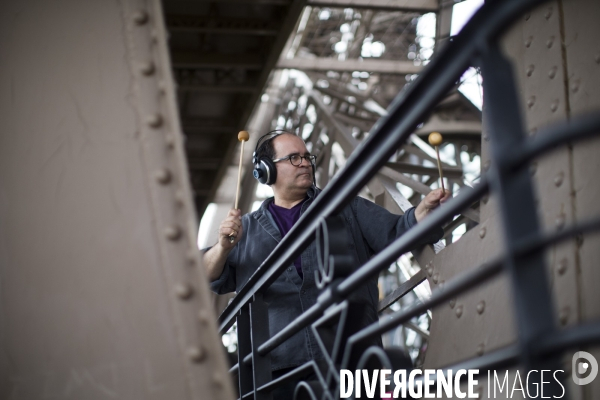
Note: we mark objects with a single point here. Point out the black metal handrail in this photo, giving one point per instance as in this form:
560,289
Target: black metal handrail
408,110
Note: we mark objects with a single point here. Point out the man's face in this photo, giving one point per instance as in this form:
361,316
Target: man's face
290,177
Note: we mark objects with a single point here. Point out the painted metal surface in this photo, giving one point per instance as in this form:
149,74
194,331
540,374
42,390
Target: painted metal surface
101,295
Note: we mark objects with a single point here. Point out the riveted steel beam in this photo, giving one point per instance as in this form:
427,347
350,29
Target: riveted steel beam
369,65
383,5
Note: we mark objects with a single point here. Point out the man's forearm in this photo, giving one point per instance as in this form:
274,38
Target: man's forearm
214,261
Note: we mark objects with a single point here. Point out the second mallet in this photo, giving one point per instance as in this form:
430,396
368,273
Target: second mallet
435,139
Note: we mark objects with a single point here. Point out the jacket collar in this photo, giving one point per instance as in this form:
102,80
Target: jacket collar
262,215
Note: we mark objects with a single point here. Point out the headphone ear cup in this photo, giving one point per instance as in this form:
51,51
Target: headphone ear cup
265,171
270,170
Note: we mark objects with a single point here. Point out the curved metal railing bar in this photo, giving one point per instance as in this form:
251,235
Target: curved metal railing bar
405,113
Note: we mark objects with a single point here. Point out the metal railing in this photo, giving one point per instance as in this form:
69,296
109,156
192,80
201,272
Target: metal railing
539,344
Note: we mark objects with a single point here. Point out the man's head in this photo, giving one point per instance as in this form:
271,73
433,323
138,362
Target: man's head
290,179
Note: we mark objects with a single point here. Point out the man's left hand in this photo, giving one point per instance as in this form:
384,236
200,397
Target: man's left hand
431,202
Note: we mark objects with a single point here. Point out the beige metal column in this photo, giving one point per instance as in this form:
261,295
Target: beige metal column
101,294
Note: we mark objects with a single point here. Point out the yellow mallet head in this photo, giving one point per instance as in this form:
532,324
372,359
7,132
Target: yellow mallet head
243,136
435,138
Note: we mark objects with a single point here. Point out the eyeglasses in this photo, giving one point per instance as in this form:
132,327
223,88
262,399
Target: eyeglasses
296,159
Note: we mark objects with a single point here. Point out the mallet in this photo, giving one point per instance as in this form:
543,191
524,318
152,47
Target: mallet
243,136
435,139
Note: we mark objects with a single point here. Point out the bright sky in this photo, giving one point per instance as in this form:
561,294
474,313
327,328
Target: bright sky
461,13
472,82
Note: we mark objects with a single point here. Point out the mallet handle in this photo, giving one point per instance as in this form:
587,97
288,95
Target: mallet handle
437,150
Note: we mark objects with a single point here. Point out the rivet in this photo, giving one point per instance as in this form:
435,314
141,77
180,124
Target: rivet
435,277
203,317
429,268
550,42
154,120
548,13
560,221
486,165
563,316
575,86
528,41
196,353
452,303
527,16
552,72
170,140
179,198
459,311
530,70
162,88
217,379
532,168
533,131
140,17
480,349
482,232
163,176
191,257
554,105
486,137
481,307
562,266
154,36
442,284
485,199
184,291
558,179
173,232
147,68
530,101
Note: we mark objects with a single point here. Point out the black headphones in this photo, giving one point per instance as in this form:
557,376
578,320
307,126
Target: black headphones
264,168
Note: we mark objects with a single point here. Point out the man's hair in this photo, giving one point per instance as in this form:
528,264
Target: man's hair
266,149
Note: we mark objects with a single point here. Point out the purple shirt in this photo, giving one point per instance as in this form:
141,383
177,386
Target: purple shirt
286,218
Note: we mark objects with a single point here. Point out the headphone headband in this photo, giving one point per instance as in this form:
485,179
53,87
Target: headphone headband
272,135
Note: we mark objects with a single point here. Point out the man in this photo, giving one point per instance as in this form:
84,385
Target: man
371,228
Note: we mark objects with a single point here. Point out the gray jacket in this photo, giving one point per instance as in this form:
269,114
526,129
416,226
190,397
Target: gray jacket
370,229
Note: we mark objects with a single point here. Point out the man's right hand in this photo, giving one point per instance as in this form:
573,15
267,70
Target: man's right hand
214,259
231,227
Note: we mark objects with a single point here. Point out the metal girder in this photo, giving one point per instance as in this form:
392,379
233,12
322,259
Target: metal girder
386,5
444,22
404,288
100,212
408,168
353,120
232,26
451,127
203,163
250,61
228,88
369,65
